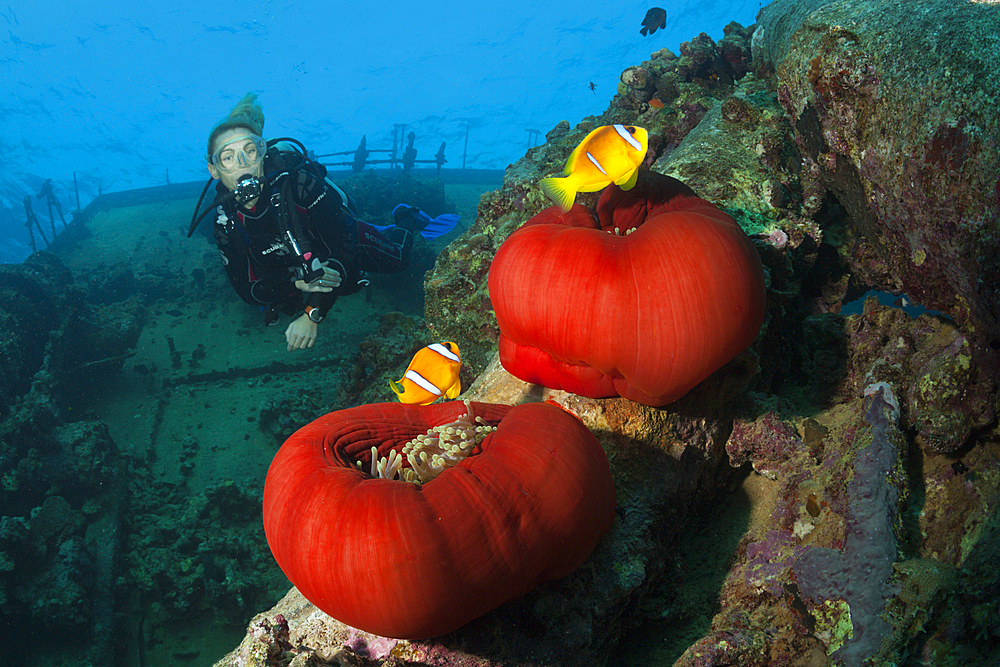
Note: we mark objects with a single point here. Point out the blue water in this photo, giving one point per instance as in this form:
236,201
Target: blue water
123,94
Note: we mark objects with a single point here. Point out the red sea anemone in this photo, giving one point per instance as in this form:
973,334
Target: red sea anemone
645,302
527,504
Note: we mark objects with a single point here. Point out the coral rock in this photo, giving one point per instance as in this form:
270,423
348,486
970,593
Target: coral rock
901,118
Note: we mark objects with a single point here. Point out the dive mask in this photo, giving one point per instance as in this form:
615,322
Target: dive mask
238,153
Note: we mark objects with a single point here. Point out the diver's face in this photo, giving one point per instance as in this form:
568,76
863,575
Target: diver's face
236,153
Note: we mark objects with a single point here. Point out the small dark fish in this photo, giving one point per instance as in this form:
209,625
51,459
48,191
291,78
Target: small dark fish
723,70
655,18
593,87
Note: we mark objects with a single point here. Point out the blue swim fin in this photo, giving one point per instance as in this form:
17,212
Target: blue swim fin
440,226
412,218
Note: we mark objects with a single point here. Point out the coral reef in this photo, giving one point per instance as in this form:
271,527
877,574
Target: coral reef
40,302
845,587
664,465
60,534
822,562
945,396
870,439
284,411
87,531
906,141
856,143
62,477
457,305
199,554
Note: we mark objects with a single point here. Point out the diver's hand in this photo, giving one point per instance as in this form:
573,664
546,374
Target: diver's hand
325,283
301,333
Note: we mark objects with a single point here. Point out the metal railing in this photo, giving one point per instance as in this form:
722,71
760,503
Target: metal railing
406,161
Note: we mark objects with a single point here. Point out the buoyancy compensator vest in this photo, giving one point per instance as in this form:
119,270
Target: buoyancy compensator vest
286,157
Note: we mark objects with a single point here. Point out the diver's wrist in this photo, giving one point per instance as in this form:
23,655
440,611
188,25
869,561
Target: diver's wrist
312,312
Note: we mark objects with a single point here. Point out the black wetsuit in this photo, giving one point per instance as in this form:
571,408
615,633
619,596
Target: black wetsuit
261,262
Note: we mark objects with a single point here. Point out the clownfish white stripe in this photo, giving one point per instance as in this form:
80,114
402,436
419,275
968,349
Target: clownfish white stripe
422,382
596,163
444,352
627,136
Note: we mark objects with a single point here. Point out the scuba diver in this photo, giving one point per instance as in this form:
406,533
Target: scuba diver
289,238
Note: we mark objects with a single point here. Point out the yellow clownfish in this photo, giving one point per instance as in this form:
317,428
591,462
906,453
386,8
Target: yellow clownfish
609,154
432,373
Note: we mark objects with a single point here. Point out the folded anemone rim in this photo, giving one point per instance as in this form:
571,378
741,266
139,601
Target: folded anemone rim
465,542
684,281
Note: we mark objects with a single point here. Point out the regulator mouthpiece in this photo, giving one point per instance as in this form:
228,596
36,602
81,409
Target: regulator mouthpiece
247,189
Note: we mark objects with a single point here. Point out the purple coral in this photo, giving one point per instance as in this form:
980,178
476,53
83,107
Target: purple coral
859,574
